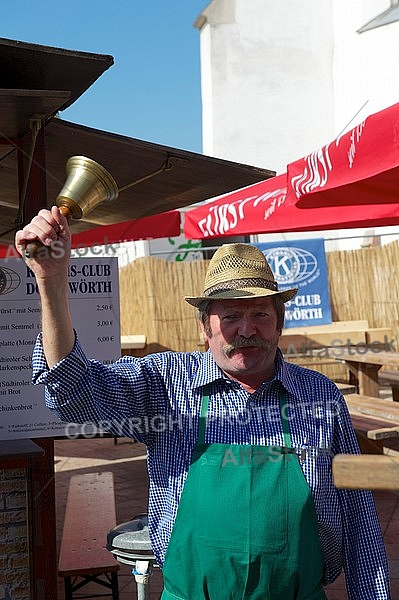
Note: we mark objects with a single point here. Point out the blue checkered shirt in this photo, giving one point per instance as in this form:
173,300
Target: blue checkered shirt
156,400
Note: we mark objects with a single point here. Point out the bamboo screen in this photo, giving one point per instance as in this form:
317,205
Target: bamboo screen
152,292
364,284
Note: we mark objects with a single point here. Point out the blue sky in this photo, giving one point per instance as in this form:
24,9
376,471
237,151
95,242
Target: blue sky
152,92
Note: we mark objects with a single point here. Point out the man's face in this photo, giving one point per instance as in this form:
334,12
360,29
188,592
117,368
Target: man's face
243,338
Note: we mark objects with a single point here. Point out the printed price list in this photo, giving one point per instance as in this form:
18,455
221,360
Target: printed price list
94,300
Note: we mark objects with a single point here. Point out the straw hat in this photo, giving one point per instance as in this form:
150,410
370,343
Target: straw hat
239,271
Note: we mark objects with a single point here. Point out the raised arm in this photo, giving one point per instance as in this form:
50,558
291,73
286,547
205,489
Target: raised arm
50,267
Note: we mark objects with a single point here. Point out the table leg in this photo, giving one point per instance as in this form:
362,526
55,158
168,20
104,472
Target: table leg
368,380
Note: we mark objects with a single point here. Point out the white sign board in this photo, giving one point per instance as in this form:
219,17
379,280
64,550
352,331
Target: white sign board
94,300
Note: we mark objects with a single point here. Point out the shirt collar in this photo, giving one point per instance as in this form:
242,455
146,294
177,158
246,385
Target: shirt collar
208,371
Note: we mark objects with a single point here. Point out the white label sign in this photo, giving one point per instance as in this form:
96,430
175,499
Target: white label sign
94,300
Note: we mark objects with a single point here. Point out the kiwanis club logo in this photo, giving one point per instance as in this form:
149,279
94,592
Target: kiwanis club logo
292,265
9,280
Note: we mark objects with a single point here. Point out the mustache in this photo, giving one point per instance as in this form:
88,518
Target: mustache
243,342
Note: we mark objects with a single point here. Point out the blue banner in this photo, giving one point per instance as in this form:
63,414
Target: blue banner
301,264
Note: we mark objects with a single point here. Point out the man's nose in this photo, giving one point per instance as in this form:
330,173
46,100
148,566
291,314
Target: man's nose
246,327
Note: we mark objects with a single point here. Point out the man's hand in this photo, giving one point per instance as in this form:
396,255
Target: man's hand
49,228
50,267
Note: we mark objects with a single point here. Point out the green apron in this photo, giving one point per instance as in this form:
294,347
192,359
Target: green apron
246,525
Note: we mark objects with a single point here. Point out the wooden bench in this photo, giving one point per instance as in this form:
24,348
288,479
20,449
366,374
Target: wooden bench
318,339
89,516
313,337
376,422
320,347
390,378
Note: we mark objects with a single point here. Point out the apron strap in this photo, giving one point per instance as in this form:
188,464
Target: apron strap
284,417
203,414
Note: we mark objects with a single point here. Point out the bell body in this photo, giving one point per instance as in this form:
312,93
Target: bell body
86,186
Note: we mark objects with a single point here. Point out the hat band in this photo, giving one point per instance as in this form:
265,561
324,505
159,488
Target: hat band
236,284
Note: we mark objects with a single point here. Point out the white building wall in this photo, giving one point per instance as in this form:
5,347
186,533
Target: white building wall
365,68
267,85
280,79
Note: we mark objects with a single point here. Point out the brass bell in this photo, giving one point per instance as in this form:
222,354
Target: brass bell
87,185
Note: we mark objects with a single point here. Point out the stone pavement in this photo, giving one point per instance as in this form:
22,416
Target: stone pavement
127,461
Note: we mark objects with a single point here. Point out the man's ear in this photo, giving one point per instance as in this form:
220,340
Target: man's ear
205,328
202,329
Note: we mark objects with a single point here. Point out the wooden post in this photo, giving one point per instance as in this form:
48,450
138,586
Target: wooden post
42,488
368,472
43,523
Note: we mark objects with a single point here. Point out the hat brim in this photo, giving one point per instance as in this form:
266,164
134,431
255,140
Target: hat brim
243,294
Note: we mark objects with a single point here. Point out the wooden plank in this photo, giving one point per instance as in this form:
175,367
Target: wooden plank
381,358
389,377
90,514
385,433
377,407
345,388
317,336
329,339
374,428
372,472
375,421
336,325
133,341
377,335
365,427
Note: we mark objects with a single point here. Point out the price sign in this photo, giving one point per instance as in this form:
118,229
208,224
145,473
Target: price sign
94,300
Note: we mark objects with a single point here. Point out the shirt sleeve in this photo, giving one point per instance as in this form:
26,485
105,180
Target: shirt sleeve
115,398
365,562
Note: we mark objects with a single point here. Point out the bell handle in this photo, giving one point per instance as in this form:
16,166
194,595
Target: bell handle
32,248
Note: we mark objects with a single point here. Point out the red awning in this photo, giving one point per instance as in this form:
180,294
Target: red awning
163,225
265,208
360,167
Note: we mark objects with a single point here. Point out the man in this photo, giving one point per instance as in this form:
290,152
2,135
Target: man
242,502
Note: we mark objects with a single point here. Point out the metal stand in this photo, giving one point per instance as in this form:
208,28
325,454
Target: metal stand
130,544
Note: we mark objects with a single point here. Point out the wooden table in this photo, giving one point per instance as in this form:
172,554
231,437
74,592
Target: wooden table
365,364
366,472
304,340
